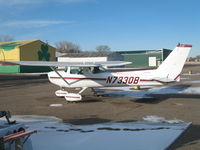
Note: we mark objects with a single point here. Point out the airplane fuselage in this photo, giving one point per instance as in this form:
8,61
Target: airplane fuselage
108,79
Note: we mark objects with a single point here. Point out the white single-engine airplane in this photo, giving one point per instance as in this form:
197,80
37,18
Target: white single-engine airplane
92,74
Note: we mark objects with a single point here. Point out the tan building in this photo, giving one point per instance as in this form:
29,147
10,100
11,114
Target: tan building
34,50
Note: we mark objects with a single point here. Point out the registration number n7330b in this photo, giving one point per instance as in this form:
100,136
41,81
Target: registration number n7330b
122,80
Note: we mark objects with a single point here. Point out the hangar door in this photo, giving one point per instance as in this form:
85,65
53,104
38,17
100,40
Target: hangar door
152,61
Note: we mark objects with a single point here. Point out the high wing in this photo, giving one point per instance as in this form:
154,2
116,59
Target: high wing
62,64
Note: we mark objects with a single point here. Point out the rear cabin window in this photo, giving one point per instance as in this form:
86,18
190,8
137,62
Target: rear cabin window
97,70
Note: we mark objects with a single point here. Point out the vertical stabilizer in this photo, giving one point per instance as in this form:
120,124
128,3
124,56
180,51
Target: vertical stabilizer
173,64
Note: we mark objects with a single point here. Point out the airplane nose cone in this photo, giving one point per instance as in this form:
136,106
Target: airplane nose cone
51,75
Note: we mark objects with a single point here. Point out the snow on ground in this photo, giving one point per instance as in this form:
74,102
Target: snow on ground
194,74
153,133
193,82
157,119
192,90
34,118
166,90
148,90
56,105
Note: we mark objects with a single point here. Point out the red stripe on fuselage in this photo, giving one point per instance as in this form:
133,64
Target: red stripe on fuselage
177,77
73,78
144,80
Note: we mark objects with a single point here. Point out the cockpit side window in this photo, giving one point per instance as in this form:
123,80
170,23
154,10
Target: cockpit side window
76,70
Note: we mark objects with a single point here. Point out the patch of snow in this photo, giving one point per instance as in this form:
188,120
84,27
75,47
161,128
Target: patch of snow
56,105
191,90
35,118
178,104
128,92
165,90
192,82
184,79
174,90
187,74
157,119
148,90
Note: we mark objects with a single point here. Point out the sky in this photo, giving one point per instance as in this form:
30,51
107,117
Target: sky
120,24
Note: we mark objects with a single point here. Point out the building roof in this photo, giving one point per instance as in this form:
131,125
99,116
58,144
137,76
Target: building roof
87,54
142,51
13,44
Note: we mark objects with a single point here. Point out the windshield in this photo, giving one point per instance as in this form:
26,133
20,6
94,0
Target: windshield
76,70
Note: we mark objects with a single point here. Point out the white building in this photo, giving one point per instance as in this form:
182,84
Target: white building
90,57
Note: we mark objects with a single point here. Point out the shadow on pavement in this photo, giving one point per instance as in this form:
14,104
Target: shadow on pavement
86,121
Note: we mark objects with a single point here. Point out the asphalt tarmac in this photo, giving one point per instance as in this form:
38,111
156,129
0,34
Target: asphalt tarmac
25,95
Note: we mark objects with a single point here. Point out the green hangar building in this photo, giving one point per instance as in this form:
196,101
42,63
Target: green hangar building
32,50
141,58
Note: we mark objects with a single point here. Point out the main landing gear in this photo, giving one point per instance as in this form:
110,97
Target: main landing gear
70,97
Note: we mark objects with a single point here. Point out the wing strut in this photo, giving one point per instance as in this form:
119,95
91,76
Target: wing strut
54,69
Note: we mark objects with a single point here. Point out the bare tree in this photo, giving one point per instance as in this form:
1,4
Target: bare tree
6,38
103,49
67,47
